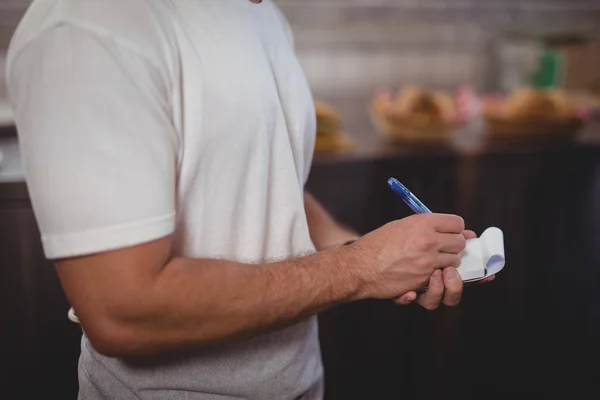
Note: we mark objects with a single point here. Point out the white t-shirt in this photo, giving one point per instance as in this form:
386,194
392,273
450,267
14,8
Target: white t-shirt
143,118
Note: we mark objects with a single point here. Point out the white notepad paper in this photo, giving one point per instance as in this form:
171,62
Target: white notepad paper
483,256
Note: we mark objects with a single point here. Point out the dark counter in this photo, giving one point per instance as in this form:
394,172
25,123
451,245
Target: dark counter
8,131
533,331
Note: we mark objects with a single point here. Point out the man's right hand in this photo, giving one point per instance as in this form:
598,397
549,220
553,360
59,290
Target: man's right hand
403,255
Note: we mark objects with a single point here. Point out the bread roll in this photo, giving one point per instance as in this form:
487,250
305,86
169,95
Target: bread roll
328,120
421,107
538,105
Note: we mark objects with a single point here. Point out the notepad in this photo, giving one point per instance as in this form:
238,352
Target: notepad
483,256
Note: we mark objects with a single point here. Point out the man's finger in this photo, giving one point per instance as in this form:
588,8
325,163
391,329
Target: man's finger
453,287
443,260
451,243
482,281
446,223
432,297
406,299
468,234
488,279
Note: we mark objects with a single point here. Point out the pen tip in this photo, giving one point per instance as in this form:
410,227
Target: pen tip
391,181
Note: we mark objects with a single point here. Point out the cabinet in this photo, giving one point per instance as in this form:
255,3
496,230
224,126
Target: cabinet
532,331
39,347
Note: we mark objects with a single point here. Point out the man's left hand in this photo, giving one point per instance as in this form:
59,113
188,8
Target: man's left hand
445,287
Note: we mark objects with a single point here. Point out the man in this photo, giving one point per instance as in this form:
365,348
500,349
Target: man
166,146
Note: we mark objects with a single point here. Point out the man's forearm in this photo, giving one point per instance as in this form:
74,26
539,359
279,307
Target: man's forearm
324,230
195,302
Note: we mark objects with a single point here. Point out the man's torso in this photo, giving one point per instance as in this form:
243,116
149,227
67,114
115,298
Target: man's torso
245,124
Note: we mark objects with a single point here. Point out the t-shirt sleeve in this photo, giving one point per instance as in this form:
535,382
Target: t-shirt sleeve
97,140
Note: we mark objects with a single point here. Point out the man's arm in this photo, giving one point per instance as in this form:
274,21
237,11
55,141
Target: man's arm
137,301
324,230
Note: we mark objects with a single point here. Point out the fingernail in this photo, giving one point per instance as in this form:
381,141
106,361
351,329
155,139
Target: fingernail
451,274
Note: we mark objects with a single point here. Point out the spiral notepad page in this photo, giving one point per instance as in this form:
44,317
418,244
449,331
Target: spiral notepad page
483,256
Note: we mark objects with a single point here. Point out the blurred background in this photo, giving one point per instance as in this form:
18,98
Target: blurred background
483,108
349,47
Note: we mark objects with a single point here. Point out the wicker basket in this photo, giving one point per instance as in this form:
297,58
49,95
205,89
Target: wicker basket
338,142
402,132
500,129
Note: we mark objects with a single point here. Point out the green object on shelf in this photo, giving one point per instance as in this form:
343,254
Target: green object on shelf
549,71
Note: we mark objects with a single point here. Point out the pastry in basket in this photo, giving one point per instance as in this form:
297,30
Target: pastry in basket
413,105
531,105
532,112
414,114
330,135
564,106
425,108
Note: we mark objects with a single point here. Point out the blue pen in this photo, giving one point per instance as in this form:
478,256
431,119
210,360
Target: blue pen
410,199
